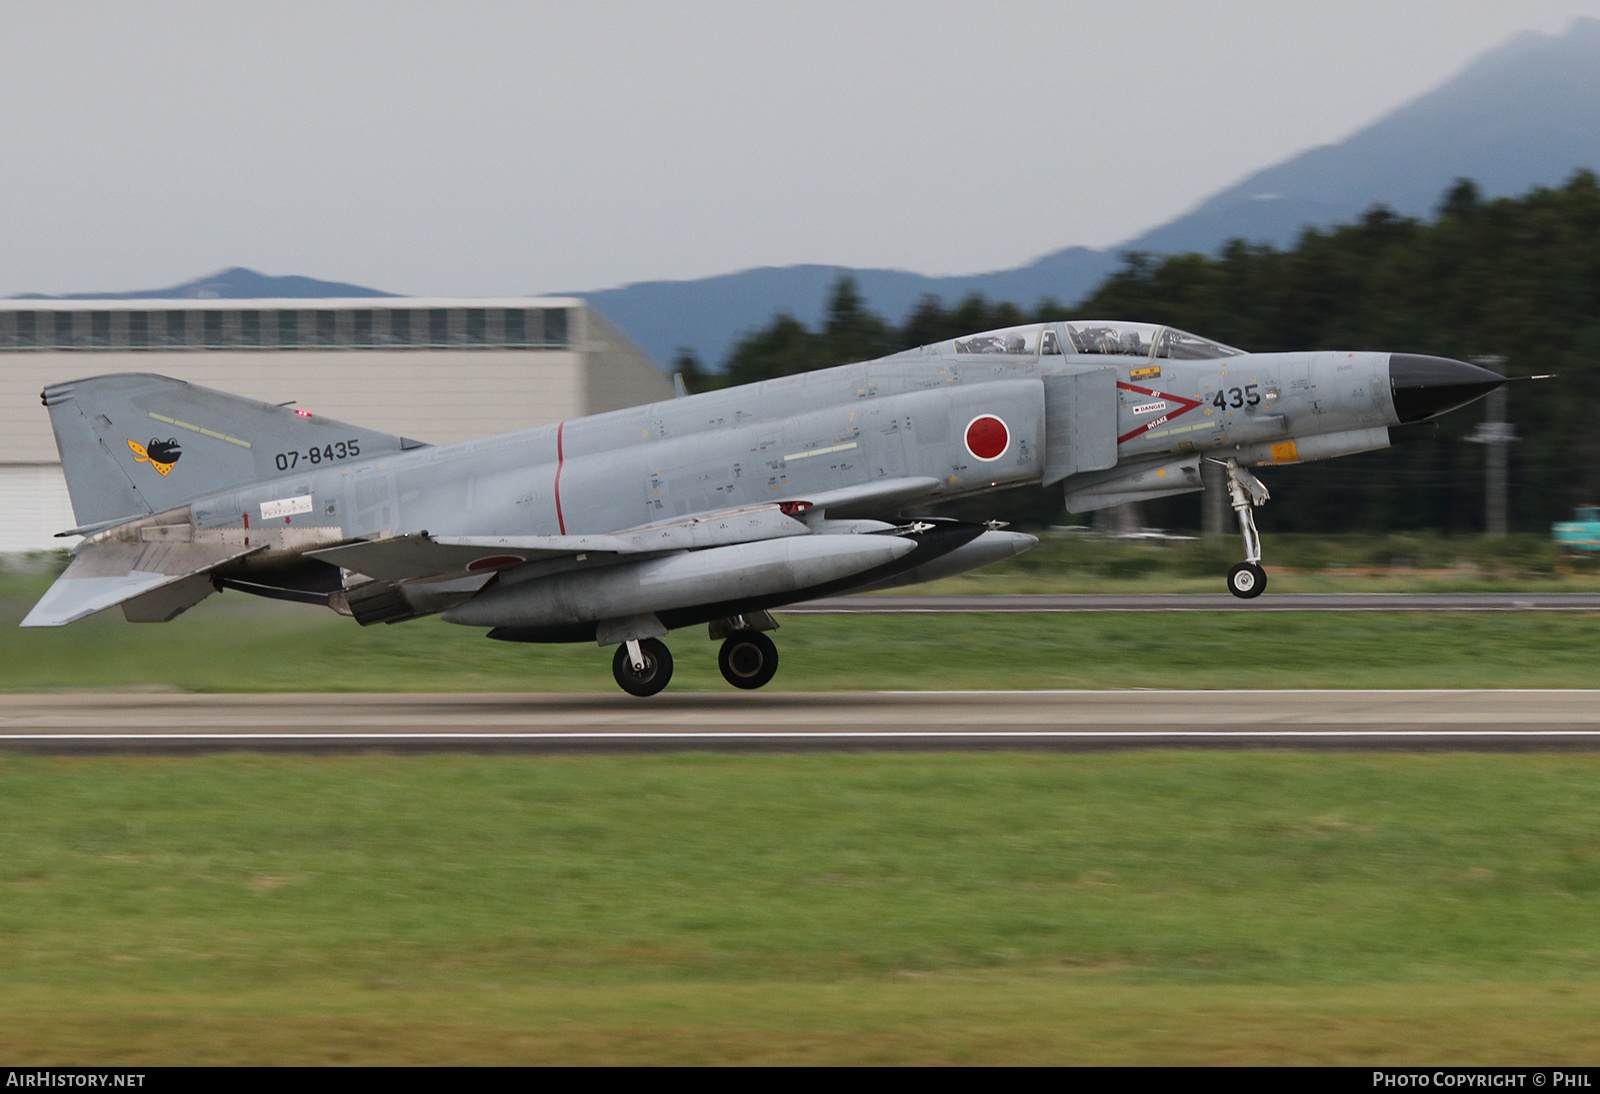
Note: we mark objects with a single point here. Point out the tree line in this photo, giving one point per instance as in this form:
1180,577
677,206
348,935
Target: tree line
1516,278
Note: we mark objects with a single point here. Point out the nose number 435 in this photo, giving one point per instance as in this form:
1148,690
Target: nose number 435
1236,397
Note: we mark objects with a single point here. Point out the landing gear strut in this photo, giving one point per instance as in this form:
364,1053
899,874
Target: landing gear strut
642,667
748,659
1248,579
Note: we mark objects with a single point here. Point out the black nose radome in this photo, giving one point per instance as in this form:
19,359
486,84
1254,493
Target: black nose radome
1425,387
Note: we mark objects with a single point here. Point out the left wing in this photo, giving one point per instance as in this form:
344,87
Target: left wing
407,558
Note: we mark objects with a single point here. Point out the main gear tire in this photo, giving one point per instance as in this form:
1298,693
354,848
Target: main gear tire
1247,581
655,675
748,659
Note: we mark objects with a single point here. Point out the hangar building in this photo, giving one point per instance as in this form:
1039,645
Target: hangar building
438,370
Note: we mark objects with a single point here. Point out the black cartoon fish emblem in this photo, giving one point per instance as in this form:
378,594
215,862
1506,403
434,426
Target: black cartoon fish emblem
160,455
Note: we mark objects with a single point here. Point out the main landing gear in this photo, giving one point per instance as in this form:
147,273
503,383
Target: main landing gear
642,667
1246,580
748,658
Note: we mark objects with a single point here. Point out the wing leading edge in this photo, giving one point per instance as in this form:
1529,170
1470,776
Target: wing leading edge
410,558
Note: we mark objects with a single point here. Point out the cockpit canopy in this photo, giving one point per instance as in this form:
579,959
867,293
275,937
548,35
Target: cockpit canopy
1092,336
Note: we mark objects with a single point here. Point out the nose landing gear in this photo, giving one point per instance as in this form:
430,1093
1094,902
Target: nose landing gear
1246,580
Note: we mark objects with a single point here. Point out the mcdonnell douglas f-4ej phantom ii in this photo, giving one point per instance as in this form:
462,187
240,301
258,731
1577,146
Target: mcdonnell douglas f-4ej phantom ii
707,509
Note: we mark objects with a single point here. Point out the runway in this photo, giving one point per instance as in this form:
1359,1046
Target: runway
145,723
1202,602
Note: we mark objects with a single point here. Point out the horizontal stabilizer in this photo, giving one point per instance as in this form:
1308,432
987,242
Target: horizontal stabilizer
403,558
114,572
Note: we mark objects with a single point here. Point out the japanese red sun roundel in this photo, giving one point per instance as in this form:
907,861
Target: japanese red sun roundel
987,437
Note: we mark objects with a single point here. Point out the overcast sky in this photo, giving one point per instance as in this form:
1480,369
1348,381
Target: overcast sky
520,147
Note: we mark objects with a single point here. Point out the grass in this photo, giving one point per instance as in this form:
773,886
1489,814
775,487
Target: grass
1296,563
988,908
234,642
1182,907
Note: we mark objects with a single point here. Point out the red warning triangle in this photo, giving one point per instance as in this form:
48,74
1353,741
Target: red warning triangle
1184,406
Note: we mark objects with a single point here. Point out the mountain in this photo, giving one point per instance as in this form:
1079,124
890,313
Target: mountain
709,314
1522,115
235,284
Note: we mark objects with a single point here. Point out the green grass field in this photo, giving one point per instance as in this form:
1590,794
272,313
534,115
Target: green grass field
235,642
1125,908
1398,562
1151,907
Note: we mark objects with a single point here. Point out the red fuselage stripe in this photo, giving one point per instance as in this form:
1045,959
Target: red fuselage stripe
1188,405
560,459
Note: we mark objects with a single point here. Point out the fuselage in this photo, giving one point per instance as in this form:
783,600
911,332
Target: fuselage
708,509
903,417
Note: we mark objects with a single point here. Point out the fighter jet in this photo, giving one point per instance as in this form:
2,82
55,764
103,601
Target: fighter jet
706,510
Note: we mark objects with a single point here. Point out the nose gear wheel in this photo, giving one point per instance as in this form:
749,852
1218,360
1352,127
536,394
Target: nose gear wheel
1246,580
748,659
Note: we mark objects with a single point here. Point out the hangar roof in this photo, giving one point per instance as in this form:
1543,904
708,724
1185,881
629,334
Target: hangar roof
314,303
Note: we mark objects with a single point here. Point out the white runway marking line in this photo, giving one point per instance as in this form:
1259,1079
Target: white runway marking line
1257,607
1250,691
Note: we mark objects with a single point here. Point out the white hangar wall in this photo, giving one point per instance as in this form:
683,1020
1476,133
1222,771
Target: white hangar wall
436,370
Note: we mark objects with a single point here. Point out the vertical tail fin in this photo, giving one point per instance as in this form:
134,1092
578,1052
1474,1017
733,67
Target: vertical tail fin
133,443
